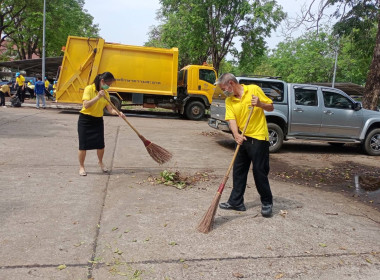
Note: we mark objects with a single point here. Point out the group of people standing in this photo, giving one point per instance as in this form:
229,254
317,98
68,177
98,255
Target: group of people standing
38,90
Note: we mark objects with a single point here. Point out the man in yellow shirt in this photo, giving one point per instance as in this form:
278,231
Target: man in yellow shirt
254,143
20,87
4,90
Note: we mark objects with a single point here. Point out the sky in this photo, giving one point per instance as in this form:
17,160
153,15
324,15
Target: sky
129,21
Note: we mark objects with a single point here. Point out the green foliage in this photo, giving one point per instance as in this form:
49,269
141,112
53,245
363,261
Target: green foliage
356,20
311,58
9,11
63,18
171,179
207,29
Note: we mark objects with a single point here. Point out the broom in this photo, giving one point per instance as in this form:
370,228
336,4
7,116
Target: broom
205,226
159,154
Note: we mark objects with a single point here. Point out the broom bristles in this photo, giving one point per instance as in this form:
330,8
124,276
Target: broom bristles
158,154
206,224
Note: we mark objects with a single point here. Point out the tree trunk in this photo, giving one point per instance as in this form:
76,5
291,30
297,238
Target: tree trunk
372,86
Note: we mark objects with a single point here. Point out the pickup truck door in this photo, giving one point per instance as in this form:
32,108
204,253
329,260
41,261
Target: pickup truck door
339,118
305,111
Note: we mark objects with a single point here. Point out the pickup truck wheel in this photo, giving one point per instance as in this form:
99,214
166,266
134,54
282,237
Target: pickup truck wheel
195,110
371,143
276,137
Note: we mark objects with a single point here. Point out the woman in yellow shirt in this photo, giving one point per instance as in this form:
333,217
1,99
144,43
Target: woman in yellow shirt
90,122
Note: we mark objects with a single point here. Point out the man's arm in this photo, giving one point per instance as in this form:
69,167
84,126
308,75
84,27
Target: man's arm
265,106
235,132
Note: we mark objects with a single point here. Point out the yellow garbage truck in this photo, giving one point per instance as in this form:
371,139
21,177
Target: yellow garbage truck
145,76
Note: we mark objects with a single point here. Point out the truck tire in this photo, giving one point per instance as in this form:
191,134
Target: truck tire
115,101
371,143
195,110
276,137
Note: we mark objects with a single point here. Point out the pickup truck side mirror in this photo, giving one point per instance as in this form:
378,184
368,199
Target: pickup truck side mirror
357,106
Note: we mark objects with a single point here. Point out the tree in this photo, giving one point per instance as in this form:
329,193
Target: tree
309,58
208,29
355,18
9,12
63,18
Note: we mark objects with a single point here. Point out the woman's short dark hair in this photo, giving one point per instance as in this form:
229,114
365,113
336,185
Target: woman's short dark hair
106,76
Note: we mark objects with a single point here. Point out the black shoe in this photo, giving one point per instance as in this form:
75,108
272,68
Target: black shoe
227,206
266,210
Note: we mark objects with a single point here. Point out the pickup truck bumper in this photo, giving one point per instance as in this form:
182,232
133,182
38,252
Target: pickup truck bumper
218,124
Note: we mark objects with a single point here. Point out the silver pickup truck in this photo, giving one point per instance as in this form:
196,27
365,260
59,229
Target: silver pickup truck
310,112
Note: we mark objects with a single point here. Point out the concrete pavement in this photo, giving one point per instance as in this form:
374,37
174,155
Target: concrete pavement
58,225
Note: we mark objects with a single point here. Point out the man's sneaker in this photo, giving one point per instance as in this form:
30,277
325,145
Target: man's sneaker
227,206
266,210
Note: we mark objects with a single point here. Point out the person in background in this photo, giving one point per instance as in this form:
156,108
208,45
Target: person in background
90,122
30,88
39,90
254,143
20,87
4,90
47,83
54,88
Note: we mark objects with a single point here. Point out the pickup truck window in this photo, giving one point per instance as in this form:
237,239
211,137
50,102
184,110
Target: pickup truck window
306,96
336,100
207,75
274,90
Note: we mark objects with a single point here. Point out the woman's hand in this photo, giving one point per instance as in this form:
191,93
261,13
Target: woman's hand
121,115
101,94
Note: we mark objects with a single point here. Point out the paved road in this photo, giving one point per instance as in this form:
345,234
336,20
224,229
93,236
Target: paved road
124,226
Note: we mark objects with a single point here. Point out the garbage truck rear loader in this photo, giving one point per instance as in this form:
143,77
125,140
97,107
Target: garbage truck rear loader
145,76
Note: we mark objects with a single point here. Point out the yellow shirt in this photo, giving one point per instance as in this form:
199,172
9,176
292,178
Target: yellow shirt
95,110
5,89
20,80
238,109
47,84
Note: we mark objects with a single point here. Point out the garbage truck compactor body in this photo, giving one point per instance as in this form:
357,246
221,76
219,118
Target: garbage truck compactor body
144,76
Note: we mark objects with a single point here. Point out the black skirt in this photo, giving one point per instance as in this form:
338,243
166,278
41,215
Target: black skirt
90,132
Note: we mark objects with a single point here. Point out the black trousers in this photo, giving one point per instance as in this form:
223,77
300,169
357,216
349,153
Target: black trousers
2,98
257,152
21,93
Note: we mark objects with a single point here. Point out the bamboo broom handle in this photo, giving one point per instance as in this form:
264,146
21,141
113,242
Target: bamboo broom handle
125,119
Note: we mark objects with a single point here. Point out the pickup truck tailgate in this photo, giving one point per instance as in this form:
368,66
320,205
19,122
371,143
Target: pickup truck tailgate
218,111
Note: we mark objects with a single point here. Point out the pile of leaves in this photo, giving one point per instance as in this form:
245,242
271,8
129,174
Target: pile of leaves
175,179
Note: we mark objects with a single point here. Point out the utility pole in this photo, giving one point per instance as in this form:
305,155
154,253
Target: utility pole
335,65
43,43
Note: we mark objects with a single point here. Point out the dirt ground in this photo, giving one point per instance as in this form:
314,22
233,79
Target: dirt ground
319,165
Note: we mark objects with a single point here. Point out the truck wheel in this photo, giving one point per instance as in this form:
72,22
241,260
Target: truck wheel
115,101
276,137
195,110
371,143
